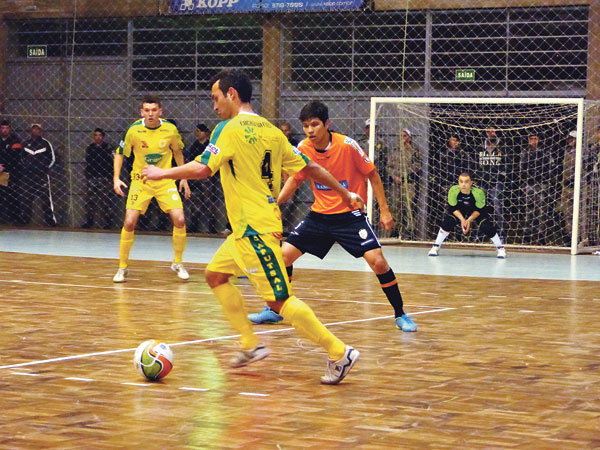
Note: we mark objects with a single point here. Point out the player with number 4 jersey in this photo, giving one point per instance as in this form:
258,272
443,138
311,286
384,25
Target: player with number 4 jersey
251,153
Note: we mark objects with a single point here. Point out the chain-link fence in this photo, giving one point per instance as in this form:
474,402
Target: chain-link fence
73,75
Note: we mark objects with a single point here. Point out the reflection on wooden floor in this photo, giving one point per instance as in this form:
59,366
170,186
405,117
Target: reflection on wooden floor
495,363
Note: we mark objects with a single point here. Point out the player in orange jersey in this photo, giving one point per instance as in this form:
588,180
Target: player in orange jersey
330,219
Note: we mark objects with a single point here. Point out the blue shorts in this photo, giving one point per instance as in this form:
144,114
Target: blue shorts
317,233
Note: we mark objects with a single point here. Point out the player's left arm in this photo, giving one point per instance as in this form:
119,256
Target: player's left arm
385,217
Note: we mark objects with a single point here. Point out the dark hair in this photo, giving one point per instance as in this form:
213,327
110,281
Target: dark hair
100,130
5,123
203,127
314,109
149,98
236,79
464,173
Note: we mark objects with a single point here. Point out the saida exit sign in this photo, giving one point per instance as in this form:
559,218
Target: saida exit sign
37,51
465,75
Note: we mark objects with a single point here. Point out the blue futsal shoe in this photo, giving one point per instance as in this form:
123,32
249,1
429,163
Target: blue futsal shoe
267,315
405,323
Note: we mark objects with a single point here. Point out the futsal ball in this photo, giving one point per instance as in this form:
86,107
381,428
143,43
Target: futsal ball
153,359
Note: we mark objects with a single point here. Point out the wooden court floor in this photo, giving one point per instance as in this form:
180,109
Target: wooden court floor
495,364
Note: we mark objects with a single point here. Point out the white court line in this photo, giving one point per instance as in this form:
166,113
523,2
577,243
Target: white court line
253,394
113,287
199,292
79,379
193,389
221,338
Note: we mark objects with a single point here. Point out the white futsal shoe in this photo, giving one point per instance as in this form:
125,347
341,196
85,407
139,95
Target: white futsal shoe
180,271
435,251
120,275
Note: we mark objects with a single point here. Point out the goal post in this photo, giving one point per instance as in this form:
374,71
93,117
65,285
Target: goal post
533,157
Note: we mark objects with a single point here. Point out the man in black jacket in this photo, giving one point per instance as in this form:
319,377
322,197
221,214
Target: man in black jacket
10,163
37,159
99,176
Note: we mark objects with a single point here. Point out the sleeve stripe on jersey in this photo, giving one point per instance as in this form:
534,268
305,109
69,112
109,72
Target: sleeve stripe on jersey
119,150
217,131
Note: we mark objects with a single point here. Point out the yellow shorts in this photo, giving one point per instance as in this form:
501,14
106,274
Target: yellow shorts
260,259
165,192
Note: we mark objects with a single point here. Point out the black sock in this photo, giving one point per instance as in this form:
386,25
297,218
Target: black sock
389,286
289,270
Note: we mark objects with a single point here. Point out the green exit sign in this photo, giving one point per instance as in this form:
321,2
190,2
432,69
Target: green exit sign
37,51
465,75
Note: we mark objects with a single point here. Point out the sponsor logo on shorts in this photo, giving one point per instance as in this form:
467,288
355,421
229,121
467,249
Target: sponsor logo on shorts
363,233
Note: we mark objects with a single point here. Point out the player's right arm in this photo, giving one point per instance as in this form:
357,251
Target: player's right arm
290,186
117,182
193,170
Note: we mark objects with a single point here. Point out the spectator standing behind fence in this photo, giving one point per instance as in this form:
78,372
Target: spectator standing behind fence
491,173
535,167
100,200
37,159
10,164
286,129
454,160
404,165
206,203
568,187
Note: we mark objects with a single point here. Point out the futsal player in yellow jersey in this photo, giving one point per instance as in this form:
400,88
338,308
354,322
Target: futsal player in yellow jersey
251,153
155,141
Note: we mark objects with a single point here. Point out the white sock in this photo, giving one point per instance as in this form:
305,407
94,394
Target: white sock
441,237
496,240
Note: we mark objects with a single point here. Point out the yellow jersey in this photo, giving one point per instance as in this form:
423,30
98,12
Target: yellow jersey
251,153
150,145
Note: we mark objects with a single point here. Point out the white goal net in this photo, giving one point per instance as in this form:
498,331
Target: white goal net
535,158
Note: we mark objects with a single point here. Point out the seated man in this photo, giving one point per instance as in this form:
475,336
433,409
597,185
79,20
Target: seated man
464,200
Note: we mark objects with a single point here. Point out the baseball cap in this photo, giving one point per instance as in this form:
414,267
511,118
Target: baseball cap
367,122
202,127
33,125
573,134
407,131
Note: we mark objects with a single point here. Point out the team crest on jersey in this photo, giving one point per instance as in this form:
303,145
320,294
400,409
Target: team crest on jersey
153,158
212,149
144,144
250,135
363,233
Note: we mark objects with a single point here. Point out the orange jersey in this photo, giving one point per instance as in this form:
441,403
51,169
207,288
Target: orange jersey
347,162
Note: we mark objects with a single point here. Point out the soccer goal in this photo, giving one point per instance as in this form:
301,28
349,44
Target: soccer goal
535,158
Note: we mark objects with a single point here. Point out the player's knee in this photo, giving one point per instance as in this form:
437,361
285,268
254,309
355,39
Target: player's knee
129,225
179,222
214,279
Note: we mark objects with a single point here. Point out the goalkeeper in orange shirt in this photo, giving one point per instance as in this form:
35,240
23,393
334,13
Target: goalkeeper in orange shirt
330,219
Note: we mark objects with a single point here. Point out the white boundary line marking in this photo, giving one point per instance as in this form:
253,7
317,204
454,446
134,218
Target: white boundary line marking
220,338
113,287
